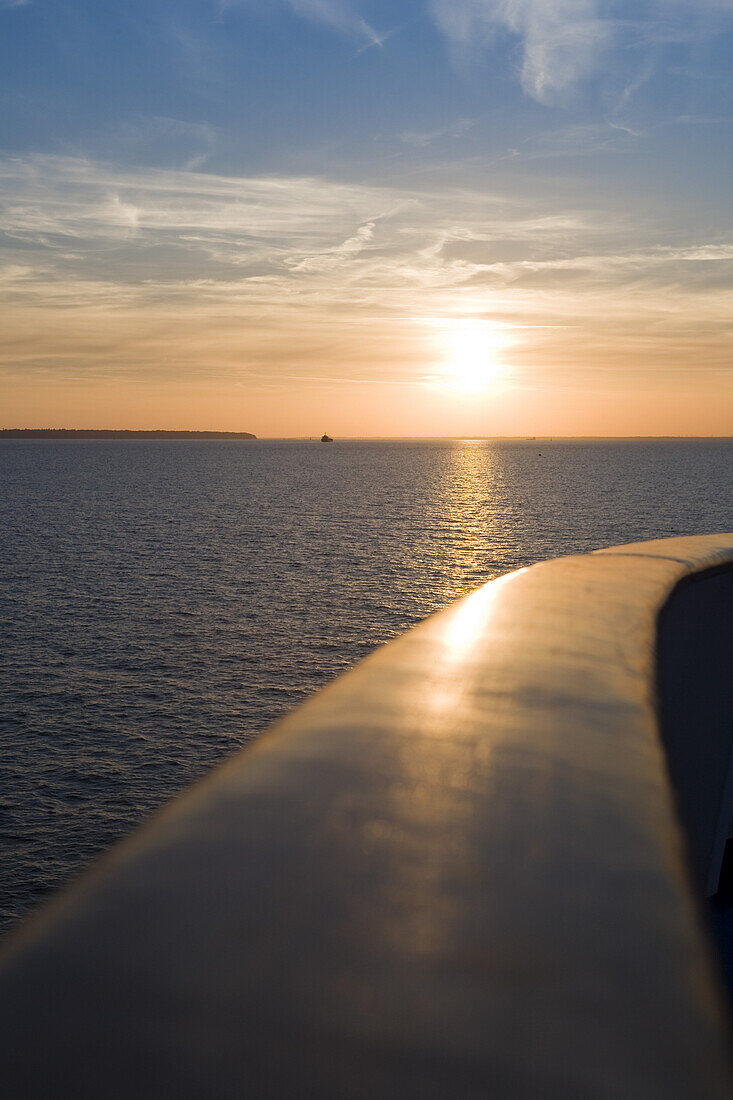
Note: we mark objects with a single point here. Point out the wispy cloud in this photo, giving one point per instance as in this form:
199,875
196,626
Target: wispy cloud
558,43
560,39
423,138
145,272
340,15
180,141
562,42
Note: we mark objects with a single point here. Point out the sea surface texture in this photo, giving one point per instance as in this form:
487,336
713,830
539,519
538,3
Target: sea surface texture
163,602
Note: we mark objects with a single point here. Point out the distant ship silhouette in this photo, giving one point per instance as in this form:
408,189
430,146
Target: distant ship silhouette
326,438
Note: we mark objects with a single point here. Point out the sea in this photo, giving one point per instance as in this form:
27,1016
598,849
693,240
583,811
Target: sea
162,602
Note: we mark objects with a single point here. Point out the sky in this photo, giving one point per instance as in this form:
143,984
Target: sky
368,217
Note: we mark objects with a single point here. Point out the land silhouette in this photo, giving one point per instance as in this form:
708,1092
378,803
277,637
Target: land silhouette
113,433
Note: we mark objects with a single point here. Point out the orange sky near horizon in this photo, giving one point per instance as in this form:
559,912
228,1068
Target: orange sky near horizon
418,411
295,357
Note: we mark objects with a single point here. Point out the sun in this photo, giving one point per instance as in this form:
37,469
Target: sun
472,355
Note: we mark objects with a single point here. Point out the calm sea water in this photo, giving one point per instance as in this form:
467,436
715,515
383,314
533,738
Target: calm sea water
164,601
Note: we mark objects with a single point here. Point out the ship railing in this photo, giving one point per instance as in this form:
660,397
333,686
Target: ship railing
474,866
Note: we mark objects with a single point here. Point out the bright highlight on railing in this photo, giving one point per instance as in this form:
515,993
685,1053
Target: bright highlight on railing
470,620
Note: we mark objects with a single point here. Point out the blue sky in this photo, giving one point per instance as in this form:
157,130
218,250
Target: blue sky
263,85
263,168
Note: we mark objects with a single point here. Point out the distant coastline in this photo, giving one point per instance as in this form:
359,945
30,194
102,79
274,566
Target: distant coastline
113,433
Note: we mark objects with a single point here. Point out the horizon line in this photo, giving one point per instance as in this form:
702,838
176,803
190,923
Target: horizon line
368,438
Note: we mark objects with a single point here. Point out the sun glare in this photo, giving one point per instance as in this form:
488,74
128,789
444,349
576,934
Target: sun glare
472,355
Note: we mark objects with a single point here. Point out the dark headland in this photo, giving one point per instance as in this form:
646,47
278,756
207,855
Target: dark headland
104,433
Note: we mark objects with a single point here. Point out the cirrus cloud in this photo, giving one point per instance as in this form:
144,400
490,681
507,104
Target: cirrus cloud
560,39
340,15
178,273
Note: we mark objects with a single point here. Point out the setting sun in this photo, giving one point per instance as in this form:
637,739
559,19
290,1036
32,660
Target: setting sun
472,350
